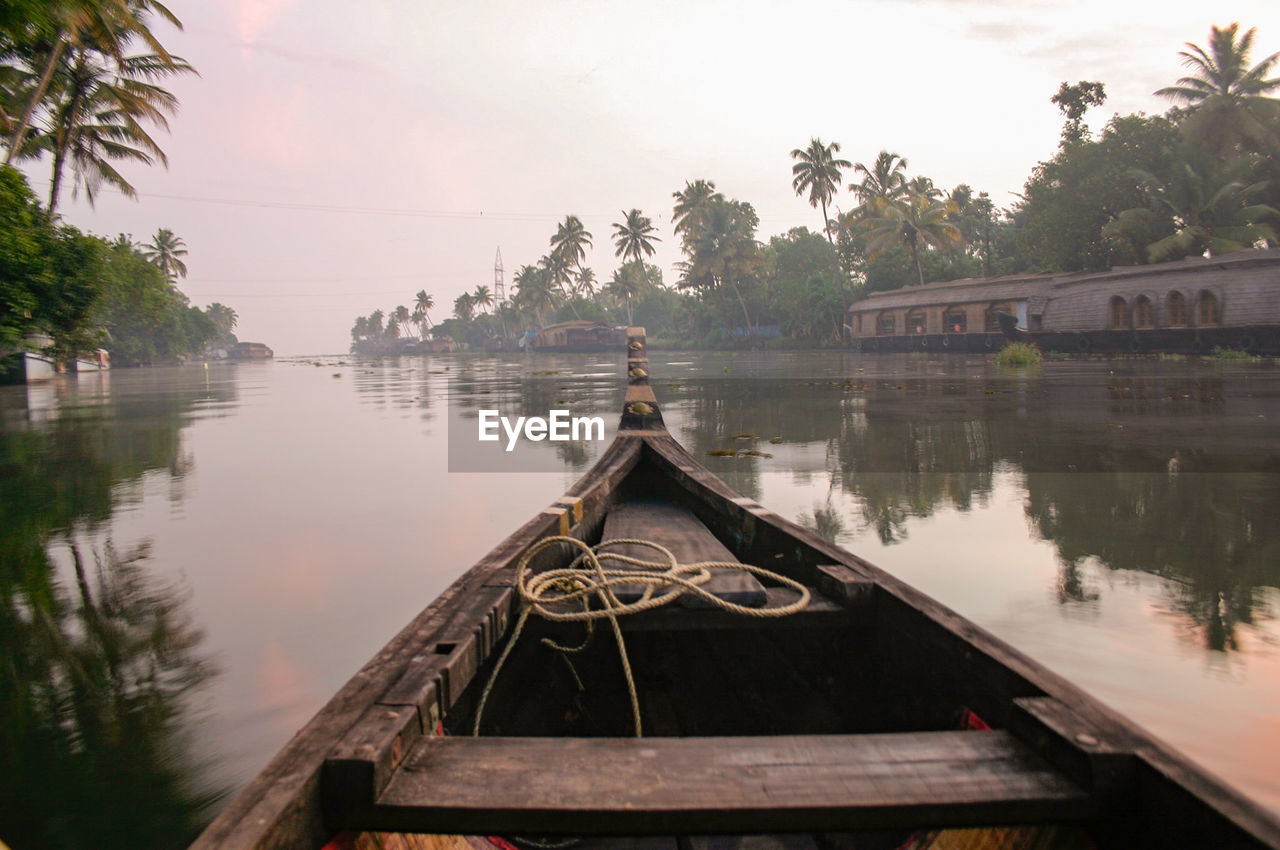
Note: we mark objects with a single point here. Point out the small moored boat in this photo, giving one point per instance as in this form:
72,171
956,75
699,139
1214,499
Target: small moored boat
654,659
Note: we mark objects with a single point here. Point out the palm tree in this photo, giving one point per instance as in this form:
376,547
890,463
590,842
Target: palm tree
375,322
482,297
634,237
1209,205
96,114
106,26
424,302
818,172
690,206
628,281
166,251
584,283
570,242
464,306
401,317
918,222
1230,101
535,289
886,179
223,317
556,271
723,251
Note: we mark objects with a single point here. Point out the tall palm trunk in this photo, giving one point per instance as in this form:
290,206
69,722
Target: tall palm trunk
835,256
24,120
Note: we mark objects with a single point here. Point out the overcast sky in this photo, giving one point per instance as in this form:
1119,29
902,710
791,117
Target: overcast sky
336,157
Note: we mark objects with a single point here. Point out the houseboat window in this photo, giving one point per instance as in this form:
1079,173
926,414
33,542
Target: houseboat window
915,322
1144,316
992,323
1119,314
885,325
1207,312
955,321
1177,309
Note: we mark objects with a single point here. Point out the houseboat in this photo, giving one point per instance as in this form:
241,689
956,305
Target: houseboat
578,335
250,351
1187,306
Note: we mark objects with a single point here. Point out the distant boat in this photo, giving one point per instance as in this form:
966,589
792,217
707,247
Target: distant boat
24,367
99,361
250,351
1189,306
577,336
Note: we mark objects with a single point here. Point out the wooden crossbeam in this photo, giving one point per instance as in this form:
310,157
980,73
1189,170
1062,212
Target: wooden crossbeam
653,786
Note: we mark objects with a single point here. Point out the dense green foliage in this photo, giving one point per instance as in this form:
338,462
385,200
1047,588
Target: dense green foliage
85,293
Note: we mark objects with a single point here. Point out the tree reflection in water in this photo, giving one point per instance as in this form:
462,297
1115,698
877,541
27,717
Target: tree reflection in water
100,656
1168,474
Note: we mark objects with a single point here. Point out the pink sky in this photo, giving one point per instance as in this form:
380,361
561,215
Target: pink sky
335,158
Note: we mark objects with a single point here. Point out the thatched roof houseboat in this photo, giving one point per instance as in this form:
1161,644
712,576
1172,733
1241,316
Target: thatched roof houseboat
1190,305
578,335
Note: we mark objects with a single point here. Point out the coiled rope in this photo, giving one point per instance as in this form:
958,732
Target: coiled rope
557,594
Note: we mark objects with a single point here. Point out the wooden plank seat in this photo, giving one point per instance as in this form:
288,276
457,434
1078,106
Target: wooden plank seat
690,541
655,786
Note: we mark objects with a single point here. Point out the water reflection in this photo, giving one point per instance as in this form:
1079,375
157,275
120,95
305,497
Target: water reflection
101,655
1170,473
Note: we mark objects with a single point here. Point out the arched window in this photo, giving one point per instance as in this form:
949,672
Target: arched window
1119,314
1207,312
955,321
992,323
1144,313
915,322
1176,308
885,324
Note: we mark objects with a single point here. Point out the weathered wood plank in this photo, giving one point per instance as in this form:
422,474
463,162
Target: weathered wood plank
361,764
702,785
680,532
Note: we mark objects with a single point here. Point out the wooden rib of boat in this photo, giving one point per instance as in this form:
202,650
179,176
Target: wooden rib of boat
873,717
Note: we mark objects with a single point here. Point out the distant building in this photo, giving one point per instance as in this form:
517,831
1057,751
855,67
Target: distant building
1191,305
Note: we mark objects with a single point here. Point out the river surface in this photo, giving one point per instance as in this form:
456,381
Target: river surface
192,559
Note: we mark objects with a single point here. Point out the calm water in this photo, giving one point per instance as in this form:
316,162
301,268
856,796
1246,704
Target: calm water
192,559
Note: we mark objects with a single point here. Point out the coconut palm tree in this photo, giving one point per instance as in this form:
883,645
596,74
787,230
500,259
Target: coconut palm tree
918,222
96,114
401,317
558,276
535,289
375,322
1209,203
482,298
223,317
571,241
885,179
424,302
166,250
585,283
723,251
106,26
634,237
464,307
1230,102
690,207
818,172
628,282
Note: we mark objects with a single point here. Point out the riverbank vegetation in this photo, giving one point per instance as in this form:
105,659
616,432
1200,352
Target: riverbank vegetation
1202,177
80,94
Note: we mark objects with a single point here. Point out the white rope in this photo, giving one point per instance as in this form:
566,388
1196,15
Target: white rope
548,593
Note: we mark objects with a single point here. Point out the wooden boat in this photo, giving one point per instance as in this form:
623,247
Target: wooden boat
871,717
